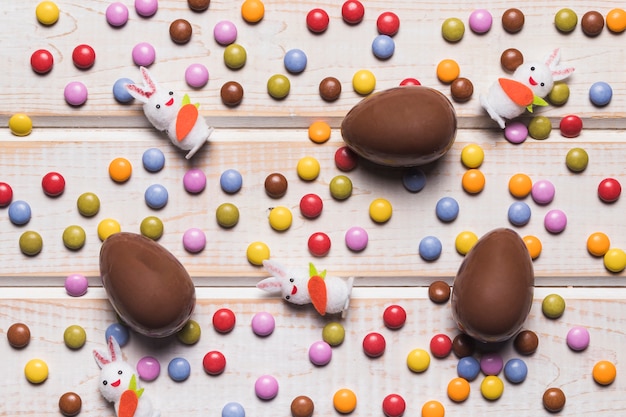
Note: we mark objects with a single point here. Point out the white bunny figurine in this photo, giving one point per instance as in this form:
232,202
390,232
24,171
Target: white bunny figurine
329,295
172,114
118,384
508,98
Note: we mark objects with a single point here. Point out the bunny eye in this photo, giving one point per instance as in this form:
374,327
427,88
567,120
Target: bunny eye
104,382
291,280
287,297
532,68
158,106
119,372
543,84
171,93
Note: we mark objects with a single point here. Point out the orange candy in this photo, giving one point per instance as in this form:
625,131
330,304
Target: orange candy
520,185
604,372
433,409
319,132
458,389
598,244
616,20
120,169
252,11
533,244
448,70
344,401
473,181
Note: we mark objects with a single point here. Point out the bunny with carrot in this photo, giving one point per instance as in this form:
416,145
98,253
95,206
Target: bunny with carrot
118,384
531,82
172,114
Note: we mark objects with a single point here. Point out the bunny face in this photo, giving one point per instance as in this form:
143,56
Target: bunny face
292,285
537,76
114,380
161,109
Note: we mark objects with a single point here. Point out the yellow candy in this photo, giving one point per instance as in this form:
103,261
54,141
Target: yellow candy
308,168
47,13
363,82
472,156
615,260
465,241
448,70
280,218
257,252
380,210
492,387
36,371
107,227
20,124
344,401
418,360
252,11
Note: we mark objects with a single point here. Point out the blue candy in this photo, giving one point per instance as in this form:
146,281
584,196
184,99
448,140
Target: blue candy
231,181
120,92
295,61
468,368
383,46
19,212
430,248
600,93
156,196
179,369
414,180
233,409
447,209
519,213
515,371
119,332
153,160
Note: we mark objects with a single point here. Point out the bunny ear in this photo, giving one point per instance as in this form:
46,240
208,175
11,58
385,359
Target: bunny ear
147,79
562,73
274,268
101,358
138,93
271,285
553,59
114,349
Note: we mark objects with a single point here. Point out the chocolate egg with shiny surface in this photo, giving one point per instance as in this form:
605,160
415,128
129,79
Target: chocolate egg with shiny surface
401,127
148,287
493,289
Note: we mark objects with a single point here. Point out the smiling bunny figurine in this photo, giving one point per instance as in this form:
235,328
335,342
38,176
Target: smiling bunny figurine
118,384
329,295
531,82
172,114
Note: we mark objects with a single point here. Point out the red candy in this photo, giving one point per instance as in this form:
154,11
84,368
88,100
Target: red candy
317,20
311,206
214,363
346,159
6,194
319,244
394,405
41,61
224,320
352,11
609,190
440,345
410,81
388,23
394,317
571,126
374,345
83,56
53,184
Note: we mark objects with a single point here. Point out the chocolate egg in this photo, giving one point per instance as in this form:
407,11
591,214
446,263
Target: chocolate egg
148,287
401,127
493,289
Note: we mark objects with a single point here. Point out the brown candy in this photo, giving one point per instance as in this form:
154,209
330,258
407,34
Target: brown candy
592,23
302,406
180,31
276,185
554,400
231,93
526,342
513,20
70,404
18,335
198,5
463,345
439,292
330,88
511,59
461,89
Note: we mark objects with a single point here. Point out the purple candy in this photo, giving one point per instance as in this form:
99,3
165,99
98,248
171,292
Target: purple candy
480,21
578,338
117,14
491,364
516,132
266,387
76,285
148,368
263,324
144,54
356,238
542,192
555,221
225,32
194,181
194,240
75,93
146,8
197,75
320,353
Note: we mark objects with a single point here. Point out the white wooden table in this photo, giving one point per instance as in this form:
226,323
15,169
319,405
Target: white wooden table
262,136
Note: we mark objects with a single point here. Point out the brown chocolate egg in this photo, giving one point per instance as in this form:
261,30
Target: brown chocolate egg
148,287
401,127
493,289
